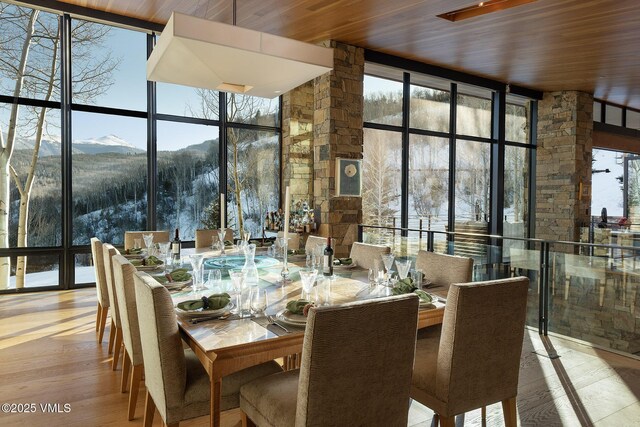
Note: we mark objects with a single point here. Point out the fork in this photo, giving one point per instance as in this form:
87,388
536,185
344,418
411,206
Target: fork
272,321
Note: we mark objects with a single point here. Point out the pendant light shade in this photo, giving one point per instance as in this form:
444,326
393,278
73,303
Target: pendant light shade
212,55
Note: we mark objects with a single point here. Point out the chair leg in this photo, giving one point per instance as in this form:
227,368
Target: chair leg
447,421
510,413
103,323
126,366
136,376
484,416
116,348
112,336
246,421
149,411
98,316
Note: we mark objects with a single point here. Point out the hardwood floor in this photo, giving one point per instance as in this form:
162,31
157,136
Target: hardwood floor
49,354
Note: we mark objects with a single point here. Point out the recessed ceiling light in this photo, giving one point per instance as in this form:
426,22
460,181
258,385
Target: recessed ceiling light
482,8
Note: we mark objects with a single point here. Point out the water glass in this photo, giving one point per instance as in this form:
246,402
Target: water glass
214,281
258,300
242,293
137,243
197,267
417,276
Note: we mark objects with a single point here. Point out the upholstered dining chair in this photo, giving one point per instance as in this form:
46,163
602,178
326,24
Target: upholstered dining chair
294,240
101,287
123,272
355,370
130,236
474,362
177,384
364,254
313,241
115,337
442,270
205,238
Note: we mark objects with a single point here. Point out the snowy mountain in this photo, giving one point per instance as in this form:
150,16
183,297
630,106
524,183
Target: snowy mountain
105,144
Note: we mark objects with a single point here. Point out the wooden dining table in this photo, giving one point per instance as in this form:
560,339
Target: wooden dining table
227,346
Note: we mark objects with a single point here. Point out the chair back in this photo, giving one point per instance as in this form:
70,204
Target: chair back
98,266
108,252
164,361
294,240
313,241
205,238
130,236
123,272
480,343
364,254
357,362
443,270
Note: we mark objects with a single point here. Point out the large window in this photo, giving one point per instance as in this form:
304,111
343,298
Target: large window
422,170
188,177
109,177
106,147
381,178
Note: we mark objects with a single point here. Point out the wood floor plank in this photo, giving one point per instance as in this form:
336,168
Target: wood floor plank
49,354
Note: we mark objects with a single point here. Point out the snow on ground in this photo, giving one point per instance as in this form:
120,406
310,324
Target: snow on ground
50,278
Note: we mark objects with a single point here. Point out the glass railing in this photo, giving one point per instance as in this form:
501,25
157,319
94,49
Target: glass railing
587,291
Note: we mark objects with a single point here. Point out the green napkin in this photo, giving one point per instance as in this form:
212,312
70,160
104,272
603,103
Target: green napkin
297,306
405,286
227,243
134,251
214,302
343,261
177,275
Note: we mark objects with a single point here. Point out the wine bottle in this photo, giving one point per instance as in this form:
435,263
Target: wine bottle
175,248
327,268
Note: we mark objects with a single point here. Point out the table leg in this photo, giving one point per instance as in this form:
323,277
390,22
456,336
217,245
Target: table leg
214,408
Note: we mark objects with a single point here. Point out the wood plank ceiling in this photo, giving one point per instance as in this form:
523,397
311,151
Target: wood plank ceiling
548,45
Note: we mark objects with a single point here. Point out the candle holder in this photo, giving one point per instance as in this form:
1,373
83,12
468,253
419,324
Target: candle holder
221,233
285,268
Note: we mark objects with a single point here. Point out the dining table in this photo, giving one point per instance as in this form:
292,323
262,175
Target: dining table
230,344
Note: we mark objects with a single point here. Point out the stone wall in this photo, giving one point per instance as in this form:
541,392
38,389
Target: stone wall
297,142
338,133
563,167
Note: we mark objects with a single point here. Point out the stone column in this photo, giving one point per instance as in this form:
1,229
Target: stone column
297,142
563,167
338,133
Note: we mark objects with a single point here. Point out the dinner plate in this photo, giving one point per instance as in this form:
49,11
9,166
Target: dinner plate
204,313
172,286
289,318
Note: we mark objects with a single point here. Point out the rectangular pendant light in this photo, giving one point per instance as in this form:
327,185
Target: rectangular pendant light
212,55
482,8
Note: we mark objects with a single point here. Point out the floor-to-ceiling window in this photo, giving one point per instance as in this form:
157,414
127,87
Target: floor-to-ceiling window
90,148
431,146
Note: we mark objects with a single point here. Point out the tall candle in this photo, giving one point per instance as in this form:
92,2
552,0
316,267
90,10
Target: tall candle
287,203
222,218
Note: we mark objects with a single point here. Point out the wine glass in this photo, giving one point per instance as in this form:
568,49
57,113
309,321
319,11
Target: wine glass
403,268
387,259
308,277
164,249
319,256
221,233
196,264
148,242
